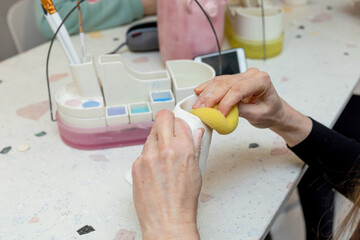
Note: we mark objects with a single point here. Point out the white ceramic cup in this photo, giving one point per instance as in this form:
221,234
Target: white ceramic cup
182,111
248,23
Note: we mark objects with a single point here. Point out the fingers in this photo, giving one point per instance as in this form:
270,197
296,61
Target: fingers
198,134
151,141
201,87
164,121
213,91
243,90
188,139
182,131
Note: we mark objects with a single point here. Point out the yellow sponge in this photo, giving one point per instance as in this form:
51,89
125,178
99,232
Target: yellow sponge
216,120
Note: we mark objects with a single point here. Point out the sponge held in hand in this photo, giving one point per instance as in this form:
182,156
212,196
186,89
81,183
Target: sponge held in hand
216,120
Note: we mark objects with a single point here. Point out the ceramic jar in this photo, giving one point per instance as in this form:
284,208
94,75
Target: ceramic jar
184,31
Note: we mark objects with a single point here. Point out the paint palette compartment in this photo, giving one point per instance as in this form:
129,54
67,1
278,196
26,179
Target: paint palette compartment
161,100
116,107
117,115
140,112
104,137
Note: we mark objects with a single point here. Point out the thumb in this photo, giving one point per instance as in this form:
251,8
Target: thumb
198,134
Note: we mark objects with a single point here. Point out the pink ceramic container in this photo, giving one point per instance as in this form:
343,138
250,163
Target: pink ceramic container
183,29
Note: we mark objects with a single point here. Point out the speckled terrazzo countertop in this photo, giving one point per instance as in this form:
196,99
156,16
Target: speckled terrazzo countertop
51,190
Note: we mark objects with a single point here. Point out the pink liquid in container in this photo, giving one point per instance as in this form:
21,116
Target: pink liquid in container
184,32
104,137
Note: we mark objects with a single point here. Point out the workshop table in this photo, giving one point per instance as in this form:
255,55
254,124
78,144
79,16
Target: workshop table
52,190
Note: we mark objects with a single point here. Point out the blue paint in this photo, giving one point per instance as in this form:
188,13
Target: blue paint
90,104
161,96
140,110
116,111
162,99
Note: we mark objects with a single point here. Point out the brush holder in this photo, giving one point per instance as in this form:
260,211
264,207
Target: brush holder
121,114
86,79
86,121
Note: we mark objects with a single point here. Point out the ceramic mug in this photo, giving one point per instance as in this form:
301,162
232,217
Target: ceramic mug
181,110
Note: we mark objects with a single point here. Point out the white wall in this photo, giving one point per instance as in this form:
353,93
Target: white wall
7,47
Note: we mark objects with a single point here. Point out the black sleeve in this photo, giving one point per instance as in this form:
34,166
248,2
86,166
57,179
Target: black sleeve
334,156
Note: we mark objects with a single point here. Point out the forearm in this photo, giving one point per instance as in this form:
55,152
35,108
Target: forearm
172,225
335,156
293,126
187,232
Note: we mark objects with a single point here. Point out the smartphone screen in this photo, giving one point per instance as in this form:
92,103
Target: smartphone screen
229,62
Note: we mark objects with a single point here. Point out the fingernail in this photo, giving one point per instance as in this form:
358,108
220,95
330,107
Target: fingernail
197,104
202,105
200,131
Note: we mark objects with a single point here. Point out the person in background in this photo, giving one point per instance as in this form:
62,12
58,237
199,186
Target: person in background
100,15
167,178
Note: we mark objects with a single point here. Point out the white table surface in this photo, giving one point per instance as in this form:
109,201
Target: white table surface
52,190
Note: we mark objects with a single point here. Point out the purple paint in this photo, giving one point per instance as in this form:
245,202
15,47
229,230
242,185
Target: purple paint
116,111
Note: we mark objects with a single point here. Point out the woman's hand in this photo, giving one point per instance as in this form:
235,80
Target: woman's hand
167,180
252,91
258,102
